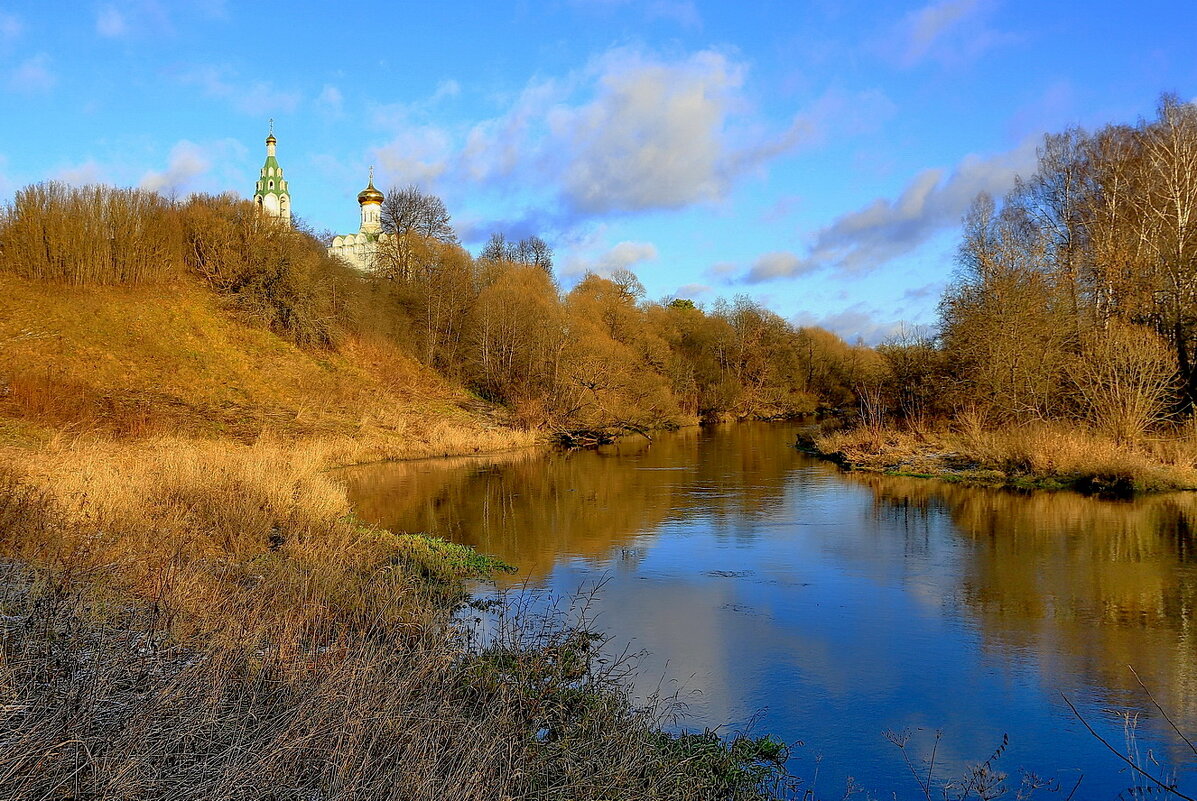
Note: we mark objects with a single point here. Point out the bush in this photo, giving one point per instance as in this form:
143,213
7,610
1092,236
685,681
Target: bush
90,235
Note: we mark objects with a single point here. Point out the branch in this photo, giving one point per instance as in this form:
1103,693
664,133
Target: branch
1165,787
1155,703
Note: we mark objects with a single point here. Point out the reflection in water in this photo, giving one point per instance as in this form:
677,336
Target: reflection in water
532,509
844,605
1089,587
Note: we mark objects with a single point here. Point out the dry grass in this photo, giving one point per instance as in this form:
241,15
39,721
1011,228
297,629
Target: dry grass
96,363
1043,454
189,608
199,620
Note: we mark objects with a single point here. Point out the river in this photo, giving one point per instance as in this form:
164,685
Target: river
828,608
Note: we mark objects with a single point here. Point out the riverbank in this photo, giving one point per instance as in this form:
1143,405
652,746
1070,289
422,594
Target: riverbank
201,619
1040,457
191,609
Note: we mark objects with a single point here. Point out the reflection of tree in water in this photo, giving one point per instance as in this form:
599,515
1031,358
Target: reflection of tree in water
1097,584
532,509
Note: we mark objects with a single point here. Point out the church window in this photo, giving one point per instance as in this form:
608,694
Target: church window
272,184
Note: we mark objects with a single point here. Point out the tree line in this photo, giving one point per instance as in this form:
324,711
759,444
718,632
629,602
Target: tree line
1075,296
598,355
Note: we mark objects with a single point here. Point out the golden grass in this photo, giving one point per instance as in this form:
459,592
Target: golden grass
192,619
190,610
1047,453
95,363
210,531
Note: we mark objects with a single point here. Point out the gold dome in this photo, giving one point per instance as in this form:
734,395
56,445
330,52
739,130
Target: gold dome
370,194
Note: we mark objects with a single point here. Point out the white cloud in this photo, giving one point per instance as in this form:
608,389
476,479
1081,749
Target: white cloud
11,27
446,88
781,264
623,256
89,172
330,100
33,75
858,322
110,22
950,31
691,291
498,147
722,269
927,25
420,155
654,137
633,132
887,228
191,166
250,97
626,133
130,17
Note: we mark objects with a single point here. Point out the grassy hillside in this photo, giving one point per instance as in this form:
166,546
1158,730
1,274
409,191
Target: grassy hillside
191,609
121,361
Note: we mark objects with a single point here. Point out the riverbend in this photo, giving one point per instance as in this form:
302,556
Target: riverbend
769,588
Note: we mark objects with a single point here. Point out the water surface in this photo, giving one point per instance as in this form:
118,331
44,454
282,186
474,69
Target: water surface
833,607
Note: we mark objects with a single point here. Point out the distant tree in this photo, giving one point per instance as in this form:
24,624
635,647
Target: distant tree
531,251
415,220
629,286
915,373
538,253
1126,379
411,210
497,248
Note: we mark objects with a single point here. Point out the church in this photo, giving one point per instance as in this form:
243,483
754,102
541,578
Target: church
272,196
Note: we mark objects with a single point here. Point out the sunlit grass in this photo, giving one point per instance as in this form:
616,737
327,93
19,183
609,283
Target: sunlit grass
1044,454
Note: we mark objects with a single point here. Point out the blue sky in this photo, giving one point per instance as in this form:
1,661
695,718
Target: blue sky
816,156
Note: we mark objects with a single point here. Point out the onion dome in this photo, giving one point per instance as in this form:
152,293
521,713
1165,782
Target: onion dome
370,194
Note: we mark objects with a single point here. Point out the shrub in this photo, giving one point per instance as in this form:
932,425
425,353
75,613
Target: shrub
90,235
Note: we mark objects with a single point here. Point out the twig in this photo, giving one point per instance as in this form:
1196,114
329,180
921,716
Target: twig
1167,717
1165,787
1074,787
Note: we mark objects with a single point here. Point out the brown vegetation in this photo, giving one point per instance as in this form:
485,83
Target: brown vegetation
1066,342
1040,456
600,356
190,610
187,621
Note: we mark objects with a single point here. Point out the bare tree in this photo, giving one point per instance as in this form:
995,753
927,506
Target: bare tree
531,250
539,254
1167,207
1125,380
413,218
497,248
411,210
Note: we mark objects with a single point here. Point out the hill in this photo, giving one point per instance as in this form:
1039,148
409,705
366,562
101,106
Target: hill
138,361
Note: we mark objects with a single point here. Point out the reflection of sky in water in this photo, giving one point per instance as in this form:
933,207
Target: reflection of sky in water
774,583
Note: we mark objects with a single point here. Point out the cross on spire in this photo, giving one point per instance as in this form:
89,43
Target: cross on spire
272,126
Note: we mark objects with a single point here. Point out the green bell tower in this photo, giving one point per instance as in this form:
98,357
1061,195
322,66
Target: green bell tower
271,194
